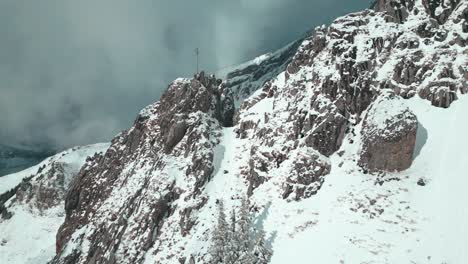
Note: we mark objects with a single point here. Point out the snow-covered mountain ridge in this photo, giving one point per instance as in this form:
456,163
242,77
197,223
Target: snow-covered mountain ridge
31,205
352,152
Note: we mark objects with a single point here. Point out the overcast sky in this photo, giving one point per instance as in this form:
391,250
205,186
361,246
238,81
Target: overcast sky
77,72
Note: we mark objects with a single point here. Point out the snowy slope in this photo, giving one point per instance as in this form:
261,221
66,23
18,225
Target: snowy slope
29,235
354,220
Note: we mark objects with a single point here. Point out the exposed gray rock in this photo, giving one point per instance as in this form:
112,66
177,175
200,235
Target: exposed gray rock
175,135
48,189
260,163
183,124
327,128
308,50
388,135
396,10
421,182
307,177
440,9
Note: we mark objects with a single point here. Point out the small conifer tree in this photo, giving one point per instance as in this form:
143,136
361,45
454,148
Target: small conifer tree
235,243
220,236
262,254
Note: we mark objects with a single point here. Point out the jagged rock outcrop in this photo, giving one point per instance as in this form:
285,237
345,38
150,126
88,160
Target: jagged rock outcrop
46,187
388,135
325,128
306,177
121,201
396,10
46,190
339,71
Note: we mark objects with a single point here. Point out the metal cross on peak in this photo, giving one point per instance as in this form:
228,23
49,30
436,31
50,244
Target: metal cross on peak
197,52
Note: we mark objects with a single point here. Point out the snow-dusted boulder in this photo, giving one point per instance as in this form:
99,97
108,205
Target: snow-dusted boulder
307,174
388,135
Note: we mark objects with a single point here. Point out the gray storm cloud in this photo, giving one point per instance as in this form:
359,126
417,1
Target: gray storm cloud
77,72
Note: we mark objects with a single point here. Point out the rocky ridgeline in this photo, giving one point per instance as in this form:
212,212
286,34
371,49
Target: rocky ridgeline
143,189
46,187
409,47
140,200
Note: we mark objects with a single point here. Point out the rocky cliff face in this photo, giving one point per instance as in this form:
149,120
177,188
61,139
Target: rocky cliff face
336,98
143,190
339,71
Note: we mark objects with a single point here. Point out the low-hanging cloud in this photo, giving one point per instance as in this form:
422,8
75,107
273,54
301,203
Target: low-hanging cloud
77,72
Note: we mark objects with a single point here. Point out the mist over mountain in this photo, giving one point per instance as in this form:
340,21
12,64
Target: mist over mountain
16,158
74,73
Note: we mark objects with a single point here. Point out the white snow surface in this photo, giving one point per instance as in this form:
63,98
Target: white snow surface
29,236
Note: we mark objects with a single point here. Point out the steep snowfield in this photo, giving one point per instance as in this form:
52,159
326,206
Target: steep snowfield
354,220
29,236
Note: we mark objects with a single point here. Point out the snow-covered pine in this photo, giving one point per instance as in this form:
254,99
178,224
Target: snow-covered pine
220,236
238,241
262,254
245,233
233,241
